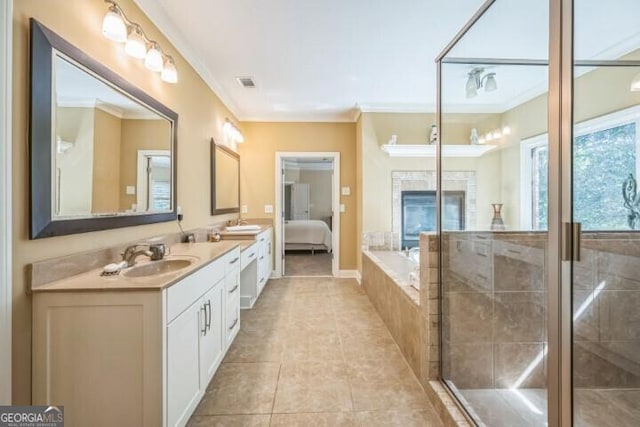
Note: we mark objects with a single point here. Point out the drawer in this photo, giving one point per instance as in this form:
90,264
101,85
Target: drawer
248,255
232,319
232,261
184,293
232,284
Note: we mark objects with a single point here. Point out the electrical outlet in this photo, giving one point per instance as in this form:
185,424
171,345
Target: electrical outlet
131,190
244,209
346,191
343,209
268,209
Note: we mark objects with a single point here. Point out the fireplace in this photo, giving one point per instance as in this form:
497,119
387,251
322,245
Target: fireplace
419,214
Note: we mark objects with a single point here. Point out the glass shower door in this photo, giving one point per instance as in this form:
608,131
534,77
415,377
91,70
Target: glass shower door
606,202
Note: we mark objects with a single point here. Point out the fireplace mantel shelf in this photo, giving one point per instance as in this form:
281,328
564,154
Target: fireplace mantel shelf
422,150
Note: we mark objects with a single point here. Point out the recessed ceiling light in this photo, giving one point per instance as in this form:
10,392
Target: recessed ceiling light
246,82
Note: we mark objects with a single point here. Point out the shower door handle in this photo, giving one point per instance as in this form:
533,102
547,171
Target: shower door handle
571,235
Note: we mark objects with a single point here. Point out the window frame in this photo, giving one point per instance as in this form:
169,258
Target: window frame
528,145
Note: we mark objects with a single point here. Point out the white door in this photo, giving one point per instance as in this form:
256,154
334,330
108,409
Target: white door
211,338
300,200
183,369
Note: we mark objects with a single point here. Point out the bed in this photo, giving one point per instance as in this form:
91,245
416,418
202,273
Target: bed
307,235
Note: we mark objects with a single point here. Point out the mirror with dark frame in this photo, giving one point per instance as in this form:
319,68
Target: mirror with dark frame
102,152
225,180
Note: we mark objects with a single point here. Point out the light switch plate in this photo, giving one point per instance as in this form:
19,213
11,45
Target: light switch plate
244,209
343,209
346,191
131,190
268,208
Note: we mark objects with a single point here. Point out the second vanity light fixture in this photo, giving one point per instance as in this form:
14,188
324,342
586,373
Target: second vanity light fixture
476,81
117,27
231,132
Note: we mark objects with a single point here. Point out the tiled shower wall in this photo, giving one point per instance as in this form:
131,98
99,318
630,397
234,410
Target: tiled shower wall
494,310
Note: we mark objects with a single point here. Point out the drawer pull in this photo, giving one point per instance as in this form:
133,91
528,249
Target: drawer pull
235,288
233,325
262,240
262,257
209,315
251,255
481,254
480,276
513,251
262,280
234,260
204,328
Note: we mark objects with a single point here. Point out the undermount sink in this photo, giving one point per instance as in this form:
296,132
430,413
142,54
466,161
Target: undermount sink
155,268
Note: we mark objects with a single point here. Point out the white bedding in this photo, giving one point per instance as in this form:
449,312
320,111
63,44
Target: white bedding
311,231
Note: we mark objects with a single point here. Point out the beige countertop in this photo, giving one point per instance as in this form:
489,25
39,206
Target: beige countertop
201,253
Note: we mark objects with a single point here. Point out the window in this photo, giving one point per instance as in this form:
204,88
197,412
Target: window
605,152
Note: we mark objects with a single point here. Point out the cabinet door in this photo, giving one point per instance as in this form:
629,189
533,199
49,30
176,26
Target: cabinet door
183,372
211,340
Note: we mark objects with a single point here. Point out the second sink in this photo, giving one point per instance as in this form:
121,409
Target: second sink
154,268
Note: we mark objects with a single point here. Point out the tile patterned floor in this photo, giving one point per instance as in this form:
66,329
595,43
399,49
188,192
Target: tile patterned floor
314,352
528,407
302,263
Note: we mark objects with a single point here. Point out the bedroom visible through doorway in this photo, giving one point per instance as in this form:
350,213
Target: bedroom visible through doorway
308,190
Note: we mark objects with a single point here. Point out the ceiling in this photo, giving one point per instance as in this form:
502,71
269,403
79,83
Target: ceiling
76,87
327,60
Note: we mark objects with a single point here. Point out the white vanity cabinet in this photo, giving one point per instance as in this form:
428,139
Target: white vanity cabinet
145,354
256,263
265,258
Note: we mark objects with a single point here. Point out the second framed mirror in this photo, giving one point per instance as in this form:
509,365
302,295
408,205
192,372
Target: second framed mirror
225,180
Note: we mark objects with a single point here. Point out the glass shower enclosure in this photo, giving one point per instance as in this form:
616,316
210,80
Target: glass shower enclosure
540,287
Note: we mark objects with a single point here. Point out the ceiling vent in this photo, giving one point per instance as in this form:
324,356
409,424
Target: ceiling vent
246,82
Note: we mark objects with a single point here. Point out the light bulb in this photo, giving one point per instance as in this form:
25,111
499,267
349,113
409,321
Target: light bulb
471,88
497,135
113,26
136,45
169,73
506,130
240,138
153,60
489,137
491,84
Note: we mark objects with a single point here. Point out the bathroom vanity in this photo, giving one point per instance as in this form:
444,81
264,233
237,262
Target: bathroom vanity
257,262
136,351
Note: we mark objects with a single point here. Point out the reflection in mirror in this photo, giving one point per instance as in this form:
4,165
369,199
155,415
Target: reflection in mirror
112,153
225,180
101,151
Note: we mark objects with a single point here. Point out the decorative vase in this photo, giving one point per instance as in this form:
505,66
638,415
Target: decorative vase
496,222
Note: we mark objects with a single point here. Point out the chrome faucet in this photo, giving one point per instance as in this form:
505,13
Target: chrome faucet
154,251
238,221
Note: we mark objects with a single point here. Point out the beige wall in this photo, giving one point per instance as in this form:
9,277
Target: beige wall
75,166
257,168
377,166
139,135
201,115
320,191
106,162
359,167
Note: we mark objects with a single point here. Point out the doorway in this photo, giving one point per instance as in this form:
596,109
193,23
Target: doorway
307,214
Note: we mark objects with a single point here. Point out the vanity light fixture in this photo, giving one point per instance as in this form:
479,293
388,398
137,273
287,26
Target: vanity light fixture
231,132
117,27
635,83
476,81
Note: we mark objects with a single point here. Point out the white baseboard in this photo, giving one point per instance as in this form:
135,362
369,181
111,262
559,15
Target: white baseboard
350,274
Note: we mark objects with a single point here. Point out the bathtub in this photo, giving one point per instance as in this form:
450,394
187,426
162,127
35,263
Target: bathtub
403,268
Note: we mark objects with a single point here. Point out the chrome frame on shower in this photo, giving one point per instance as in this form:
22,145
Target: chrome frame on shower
560,128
